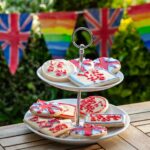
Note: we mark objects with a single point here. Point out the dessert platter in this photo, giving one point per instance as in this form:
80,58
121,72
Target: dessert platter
79,120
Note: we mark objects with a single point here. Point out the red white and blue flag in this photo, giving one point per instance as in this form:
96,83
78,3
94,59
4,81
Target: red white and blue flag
103,23
14,34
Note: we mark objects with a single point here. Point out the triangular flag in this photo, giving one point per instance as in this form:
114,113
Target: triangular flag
141,17
14,34
57,28
103,23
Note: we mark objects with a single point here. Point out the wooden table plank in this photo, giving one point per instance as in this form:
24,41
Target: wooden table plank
136,138
17,136
138,123
148,134
115,143
144,128
13,130
51,146
20,139
136,107
91,147
26,145
1,148
140,116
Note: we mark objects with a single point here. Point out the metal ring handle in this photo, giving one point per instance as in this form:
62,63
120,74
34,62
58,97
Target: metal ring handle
79,29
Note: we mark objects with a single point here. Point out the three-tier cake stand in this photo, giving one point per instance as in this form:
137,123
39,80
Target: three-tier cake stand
71,87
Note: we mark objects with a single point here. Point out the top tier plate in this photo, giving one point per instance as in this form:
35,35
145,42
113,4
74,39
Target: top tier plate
71,87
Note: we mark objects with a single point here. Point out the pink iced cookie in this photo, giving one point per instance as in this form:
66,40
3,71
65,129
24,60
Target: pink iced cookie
93,104
68,112
93,78
46,109
52,126
87,64
110,64
57,70
88,132
107,120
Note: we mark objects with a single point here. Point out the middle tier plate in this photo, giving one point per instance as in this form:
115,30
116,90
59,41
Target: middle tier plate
71,87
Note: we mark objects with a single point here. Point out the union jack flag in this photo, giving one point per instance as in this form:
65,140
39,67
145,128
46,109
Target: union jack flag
14,34
103,23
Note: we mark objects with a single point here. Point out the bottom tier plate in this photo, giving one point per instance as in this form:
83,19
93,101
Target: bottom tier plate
111,131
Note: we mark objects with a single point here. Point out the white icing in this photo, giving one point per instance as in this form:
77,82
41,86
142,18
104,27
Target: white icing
110,59
83,81
67,67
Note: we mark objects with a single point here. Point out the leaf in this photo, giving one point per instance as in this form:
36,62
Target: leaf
31,86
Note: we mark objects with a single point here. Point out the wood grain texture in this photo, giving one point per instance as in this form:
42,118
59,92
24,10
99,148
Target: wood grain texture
13,130
136,138
140,116
144,128
52,146
20,139
115,143
136,107
1,148
27,145
138,123
148,134
91,147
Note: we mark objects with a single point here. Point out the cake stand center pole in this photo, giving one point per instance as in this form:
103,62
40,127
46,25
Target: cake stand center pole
81,54
78,109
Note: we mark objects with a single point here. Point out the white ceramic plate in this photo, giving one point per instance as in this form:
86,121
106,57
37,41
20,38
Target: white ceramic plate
71,87
111,132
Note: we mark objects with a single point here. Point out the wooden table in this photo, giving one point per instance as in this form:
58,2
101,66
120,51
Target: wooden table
137,136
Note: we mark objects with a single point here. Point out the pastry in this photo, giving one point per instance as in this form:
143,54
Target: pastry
57,70
93,104
46,109
87,64
110,64
52,126
88,132
68,112
64,135
107,120
34,121
93,78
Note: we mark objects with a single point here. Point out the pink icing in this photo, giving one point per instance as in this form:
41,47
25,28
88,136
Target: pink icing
88,129
42,105
104,118
105,64
59,71
93,75
90,103
58,128
86,62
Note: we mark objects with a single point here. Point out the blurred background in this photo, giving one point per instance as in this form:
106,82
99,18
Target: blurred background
19,91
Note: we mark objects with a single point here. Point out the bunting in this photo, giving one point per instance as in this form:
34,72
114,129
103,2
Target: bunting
14,34
103,23
141,17
57,28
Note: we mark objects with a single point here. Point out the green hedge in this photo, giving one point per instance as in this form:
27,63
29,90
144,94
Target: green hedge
18,92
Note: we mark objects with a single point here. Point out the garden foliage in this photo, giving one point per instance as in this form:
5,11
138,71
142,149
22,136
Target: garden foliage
18,92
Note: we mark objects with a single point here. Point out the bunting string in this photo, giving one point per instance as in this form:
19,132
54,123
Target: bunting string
57,28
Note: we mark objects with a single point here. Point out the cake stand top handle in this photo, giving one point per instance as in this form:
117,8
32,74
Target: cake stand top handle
79,29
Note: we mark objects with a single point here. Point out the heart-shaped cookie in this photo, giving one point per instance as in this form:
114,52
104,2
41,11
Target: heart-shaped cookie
110,64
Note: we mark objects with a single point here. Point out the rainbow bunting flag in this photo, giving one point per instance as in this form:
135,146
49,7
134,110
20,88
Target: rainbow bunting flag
57,28
141,17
